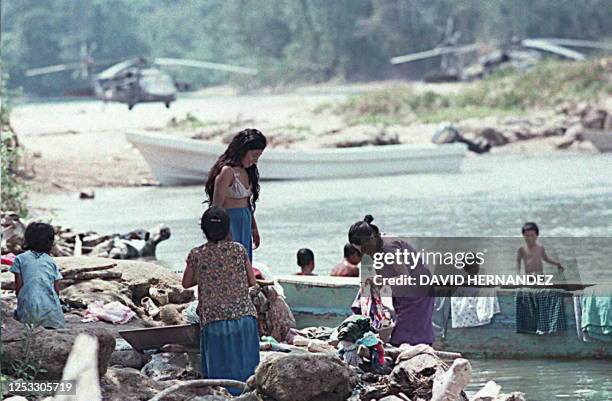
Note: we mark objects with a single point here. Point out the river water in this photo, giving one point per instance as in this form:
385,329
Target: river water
568,195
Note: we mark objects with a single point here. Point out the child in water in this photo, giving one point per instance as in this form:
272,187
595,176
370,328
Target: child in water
532,254
37,279
349,266
305,259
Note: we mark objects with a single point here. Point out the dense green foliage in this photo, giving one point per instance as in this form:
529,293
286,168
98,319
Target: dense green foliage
288,40
12,189
547,84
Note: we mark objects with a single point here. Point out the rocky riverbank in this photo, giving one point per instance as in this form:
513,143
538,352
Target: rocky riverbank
137,243
307,369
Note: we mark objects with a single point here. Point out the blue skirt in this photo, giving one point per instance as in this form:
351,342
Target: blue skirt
230,349
241,224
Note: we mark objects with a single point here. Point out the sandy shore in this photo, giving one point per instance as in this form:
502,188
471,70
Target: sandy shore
81,144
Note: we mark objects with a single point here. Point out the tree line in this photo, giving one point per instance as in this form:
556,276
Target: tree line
287,40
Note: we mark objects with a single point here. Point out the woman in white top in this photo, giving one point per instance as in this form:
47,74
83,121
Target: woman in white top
233,183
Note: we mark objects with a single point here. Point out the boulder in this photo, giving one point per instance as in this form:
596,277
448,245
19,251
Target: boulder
13,233
137,277
81,294
167,366
49,349
493,136
573,134
594,118
304,377
171,314
128,358
121,384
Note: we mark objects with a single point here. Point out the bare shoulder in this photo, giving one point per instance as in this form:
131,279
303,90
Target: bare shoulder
227,169
226,174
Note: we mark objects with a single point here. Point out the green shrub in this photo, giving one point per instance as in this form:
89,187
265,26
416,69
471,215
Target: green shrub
547,84
13,190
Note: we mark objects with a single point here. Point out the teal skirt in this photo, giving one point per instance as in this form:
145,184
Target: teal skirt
230,349
241,224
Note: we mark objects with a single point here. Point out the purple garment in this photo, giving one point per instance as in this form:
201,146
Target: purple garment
413,305
413,323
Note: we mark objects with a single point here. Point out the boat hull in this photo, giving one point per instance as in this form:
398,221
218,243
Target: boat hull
184,161
325,301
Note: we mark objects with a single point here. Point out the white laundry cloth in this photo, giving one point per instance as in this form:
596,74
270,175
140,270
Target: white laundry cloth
473,307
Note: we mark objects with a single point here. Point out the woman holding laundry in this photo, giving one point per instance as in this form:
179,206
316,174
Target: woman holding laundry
413,304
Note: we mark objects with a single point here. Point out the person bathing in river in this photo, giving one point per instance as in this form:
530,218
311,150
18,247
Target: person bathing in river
532,254
413,304
37,279
229,339
349,266
306,262
233,183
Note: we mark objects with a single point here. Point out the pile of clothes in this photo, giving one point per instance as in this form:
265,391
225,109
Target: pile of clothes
357,341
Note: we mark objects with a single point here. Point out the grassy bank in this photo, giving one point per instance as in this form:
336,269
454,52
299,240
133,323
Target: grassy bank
548,84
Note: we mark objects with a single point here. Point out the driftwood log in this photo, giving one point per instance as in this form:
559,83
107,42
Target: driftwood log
71,273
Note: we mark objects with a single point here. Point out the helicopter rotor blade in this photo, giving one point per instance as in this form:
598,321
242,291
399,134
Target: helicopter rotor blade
164,61
32,72
549,47
438,51
589,44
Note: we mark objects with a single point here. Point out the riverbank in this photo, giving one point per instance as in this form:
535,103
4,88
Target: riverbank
304,368
81,144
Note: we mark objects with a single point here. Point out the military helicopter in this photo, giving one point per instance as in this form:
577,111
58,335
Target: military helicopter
513,52
135,80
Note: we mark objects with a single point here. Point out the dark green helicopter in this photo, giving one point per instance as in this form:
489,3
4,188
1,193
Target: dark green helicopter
135,80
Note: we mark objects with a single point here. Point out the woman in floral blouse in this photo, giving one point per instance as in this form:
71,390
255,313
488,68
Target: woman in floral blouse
229,340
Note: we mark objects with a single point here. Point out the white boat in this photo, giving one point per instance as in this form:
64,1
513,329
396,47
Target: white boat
601,139
180,161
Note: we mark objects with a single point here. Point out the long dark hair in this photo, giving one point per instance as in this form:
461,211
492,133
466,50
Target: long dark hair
245,140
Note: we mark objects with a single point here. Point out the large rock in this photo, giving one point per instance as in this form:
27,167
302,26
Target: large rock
83,293
49,349
128,358
167,366
137,277
121,384
304,377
